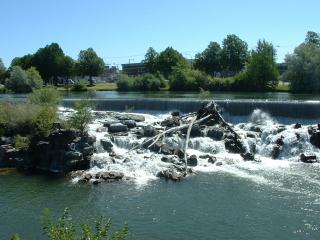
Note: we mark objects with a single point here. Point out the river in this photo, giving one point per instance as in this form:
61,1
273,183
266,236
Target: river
270,199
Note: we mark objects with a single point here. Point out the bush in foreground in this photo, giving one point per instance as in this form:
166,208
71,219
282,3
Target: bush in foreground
64,229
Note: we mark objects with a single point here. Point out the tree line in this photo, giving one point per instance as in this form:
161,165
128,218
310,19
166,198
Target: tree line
50,63
229,66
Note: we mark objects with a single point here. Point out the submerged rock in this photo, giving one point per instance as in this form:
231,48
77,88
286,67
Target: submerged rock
308,158
117,127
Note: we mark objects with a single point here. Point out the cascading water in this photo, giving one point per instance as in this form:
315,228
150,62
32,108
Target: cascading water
260,135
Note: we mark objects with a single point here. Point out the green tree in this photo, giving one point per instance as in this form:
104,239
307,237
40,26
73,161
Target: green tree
18,81
262,72
34,79
90,64
312,38
24,62
49,62
168,59
234,54
150,60
2,71
209,60
303,67
82,116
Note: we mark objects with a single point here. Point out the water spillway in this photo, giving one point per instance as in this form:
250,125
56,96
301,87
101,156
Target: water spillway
287,109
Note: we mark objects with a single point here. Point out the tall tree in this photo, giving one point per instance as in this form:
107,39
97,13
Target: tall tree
24,62
262,72
2,71
312,38
303,66
150,60
168,59
209,60
234,54
90,64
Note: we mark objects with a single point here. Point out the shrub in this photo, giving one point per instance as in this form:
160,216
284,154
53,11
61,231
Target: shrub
18,81
45,120
21,143
34,79
78,87
147,82
45,96
18,118
82,116
64,229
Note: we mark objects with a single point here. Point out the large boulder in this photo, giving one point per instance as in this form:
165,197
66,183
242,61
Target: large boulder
106,144
130,123
192,161
171,174
233,145
311,158
149,131
215,133
315,139
117,127
171,122
195,131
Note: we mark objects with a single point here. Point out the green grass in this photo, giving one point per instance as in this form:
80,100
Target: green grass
282,87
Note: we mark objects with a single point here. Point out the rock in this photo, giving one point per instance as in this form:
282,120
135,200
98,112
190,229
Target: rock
130,116
117,127
5,140
88,151
234,146
247,156
110,175
171,174
101,129
281,128
192,161
106,144
211,159
130,123
279,141
8,154
175,114
195,131
251,135
297,126
315,139
90,139
255,128
276,151
171,122
73,155
311,130
97,181
168,159
219,164
215,133
178,152
308,158
109,122
149,131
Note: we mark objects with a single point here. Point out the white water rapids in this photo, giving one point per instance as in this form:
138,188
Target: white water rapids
286,172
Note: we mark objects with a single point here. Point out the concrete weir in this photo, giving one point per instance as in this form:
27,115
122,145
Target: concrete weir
290,109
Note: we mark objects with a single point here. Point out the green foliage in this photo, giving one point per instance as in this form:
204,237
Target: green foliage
18,81
82,115
147,82
168,59
50,61
21,81
234,54
303,66
15,237
90,64
18,118
45,120
2,71
204,94
44,96
34,79
312,38
21,143
64,229
150,60
188,80
79,86
209,60
261,73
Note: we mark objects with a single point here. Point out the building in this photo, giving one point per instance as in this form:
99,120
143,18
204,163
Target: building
134,69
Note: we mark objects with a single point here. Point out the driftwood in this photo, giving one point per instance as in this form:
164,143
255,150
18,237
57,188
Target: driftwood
207,112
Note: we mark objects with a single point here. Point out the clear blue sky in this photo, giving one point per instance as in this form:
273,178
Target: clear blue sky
120,30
